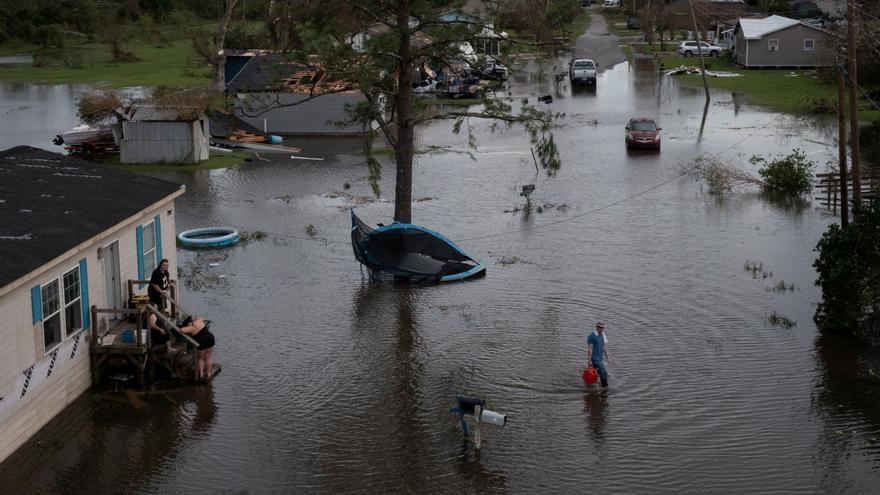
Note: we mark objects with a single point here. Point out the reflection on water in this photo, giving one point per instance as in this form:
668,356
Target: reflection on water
335,383
595,409
847,398
112,442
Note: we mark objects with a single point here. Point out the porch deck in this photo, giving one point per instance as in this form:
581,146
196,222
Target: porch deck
124,341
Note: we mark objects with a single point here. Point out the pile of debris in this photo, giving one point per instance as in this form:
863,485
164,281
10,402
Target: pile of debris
697,71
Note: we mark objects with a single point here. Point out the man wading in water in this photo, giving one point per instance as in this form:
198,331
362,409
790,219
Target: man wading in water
596,350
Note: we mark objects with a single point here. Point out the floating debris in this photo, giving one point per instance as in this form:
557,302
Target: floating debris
782,286
256,235
682,69
778,320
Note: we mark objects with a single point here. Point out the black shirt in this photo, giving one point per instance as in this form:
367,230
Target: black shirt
160,279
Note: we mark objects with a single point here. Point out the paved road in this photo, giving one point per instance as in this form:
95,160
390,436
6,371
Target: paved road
598,44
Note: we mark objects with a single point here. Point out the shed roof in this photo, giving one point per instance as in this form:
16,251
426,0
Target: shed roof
153,113
754,29
50,203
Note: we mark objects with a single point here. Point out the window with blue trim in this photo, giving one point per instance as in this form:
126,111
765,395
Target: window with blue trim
62,308
150,261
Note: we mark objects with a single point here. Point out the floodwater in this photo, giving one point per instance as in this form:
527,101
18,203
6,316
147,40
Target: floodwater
334,383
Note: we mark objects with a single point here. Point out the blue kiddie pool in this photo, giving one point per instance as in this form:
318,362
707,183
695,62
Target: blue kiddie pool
209,237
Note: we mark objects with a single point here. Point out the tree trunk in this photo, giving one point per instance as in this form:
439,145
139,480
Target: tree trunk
403,154
218,63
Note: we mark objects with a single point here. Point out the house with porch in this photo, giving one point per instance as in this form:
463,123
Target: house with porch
72,232
777,41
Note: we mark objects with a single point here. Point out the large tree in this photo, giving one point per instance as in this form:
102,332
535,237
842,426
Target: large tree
401,37
210,48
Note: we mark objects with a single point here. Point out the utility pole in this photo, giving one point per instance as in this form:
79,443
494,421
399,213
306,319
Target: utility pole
662,43
841,135
853,106
699,49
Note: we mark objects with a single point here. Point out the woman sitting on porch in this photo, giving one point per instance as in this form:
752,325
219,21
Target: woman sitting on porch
196,328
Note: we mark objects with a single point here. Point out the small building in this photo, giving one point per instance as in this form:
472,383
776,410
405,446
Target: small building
152,134
778,41
72,232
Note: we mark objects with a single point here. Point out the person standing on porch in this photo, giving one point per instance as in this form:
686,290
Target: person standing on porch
160,280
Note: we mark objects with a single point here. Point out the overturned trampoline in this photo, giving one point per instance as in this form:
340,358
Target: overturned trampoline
410,252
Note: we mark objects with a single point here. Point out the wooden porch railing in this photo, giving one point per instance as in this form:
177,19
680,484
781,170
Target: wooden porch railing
827,188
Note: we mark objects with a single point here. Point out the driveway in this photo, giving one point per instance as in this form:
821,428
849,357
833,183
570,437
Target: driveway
598,44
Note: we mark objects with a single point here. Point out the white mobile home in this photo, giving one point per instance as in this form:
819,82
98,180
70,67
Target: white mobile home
71,233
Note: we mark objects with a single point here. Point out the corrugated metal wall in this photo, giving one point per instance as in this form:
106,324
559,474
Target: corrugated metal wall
164,142
316,117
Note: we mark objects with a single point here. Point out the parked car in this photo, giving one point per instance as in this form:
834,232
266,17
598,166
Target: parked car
689,48
582,71
586,3
611,3
632,23
642,133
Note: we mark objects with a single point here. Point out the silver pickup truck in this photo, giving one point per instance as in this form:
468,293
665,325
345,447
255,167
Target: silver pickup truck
582,71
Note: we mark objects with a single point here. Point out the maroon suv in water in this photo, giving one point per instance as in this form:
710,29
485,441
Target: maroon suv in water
642,133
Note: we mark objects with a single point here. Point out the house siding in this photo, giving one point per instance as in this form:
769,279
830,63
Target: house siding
315,118
741,50
46,396
791,49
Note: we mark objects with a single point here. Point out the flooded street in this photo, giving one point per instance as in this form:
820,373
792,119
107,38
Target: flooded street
333,383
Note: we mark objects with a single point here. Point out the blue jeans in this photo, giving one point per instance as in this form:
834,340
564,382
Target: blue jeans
603,373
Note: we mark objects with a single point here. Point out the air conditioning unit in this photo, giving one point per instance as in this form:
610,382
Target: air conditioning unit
774,48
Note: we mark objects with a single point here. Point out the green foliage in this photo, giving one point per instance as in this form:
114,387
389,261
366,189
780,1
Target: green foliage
869,141
792,174
49,35
848,269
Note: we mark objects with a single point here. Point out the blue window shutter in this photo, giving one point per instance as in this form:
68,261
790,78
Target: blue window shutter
37,303
84,293
139,234
158,229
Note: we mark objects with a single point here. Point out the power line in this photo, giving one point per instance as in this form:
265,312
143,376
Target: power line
864,93
534,227
625,199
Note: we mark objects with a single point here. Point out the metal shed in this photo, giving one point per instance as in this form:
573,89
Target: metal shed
153,134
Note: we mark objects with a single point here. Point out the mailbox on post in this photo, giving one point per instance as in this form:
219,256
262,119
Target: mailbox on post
474,409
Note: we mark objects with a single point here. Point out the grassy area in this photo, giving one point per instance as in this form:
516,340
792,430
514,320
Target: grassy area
217,160
579,25
783,90
616,18
171,64
524,40
16,47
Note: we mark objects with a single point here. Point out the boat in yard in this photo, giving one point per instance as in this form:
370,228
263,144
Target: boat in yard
410,252
86,139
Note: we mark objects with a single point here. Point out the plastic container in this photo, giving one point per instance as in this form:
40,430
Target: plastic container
590,376
493,418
